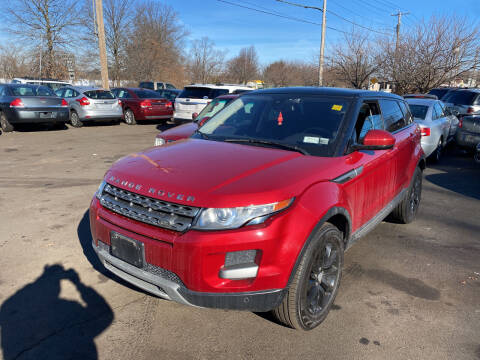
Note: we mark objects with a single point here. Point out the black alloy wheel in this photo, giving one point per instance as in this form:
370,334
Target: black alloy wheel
315,283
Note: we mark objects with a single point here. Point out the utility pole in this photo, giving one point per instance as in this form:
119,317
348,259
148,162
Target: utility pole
322,43
101,44
399,23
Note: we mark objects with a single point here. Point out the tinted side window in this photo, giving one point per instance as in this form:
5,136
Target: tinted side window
406,112
392,115
2,90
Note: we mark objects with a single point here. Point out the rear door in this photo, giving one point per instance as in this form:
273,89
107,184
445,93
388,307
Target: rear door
441,121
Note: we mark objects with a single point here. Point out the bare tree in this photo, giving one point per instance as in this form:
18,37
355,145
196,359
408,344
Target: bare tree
291,73
434,53
244,66
43,22
204,62
12,62
355,59
154,48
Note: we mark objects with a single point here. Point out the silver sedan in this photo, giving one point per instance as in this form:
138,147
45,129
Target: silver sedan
438,125
90,104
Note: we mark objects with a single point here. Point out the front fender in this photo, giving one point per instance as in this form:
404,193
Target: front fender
323,201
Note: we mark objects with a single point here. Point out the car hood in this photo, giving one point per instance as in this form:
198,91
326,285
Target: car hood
178,132
217,174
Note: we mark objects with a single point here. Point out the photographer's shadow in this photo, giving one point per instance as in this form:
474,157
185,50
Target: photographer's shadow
37,324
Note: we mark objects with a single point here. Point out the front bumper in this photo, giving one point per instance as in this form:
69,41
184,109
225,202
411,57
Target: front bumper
168,285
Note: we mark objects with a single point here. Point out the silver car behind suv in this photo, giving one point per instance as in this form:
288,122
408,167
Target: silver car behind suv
90,104
437,123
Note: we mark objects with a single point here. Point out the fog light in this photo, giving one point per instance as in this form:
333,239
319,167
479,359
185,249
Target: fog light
240,257
239,265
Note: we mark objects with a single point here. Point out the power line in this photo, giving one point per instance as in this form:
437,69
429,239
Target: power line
334,14
284,16
354,23
357,14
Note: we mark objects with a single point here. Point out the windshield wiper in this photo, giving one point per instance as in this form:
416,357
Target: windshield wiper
203,135
268,142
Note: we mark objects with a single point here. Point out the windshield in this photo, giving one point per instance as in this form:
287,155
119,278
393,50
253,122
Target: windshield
212,108
147,94
29,90
418,111
308,122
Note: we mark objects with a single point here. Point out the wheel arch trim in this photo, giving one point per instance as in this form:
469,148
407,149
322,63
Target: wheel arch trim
331,213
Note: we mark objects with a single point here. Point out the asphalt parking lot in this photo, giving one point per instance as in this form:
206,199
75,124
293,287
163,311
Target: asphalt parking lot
408,291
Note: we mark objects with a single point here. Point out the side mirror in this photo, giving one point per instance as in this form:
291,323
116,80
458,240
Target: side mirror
194,115
376,140
203,121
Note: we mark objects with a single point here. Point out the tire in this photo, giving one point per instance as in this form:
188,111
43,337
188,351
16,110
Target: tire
407,209
437,154
5,124
75,119
315,283
130,117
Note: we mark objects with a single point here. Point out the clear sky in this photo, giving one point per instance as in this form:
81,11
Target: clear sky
233,27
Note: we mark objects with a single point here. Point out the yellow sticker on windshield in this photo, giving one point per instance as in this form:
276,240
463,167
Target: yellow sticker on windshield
337,107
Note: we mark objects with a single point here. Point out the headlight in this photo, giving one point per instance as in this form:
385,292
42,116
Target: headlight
159,141
99,192
233,218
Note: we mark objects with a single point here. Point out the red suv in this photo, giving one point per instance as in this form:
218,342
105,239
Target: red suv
255,210
143,104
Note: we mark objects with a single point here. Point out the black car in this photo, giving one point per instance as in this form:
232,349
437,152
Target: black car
25,103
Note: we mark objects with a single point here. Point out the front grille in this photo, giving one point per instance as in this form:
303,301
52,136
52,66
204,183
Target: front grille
148,210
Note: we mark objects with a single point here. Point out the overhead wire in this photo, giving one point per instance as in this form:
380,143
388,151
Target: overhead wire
357,14
283,16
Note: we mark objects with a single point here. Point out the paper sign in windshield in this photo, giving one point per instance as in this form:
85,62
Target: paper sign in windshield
311,139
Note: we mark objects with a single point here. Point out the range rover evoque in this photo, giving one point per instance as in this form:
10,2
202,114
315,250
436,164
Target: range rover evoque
255,210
